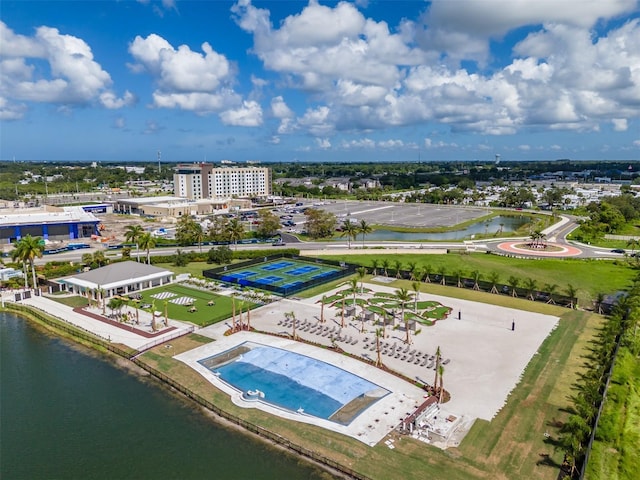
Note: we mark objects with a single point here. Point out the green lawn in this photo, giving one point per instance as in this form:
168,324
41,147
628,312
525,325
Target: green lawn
589,277
205,314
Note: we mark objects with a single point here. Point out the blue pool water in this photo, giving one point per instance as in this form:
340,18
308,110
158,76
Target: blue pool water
293,381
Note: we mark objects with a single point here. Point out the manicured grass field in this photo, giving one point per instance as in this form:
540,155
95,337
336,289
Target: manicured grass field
589,277
205,314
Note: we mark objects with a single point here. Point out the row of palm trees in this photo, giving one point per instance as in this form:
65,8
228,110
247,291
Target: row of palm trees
352,230
143,240
425,274
620,330
26,250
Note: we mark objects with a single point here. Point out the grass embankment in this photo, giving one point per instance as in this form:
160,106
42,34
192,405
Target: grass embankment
589,277
513,445
616,449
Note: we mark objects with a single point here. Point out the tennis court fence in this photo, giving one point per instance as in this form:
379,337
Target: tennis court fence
223,274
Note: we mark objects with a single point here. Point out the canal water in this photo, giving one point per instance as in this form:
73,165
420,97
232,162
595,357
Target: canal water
67,413
491,227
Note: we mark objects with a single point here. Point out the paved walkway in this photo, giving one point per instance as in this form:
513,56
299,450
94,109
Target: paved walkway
116,334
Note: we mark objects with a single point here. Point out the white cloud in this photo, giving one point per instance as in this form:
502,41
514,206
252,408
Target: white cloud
248,115
619,124
323,143
524,148
636,143
196,81
279,108
74,78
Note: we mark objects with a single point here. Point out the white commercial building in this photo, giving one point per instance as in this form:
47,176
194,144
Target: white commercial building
197,181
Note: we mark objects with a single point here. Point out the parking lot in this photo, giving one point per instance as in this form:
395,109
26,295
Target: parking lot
410,215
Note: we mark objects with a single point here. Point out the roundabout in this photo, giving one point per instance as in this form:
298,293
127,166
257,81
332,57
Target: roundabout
546,250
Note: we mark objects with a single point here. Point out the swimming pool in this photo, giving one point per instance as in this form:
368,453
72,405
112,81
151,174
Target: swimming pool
295,382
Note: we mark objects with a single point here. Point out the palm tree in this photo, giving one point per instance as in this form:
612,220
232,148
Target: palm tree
385,266
416,290
27,249
198,234
375,263
403,296
513,283
132,234
324,299
438,358
476,278
166,313
458,274
633,243
571,292
441,374
147,242
427,273
361,271
342,314
349,230
235,231
598,302
493,279
530,285
292,316
442,271
411,267
99,258
364,228
353,284
397,264
551,288
379,332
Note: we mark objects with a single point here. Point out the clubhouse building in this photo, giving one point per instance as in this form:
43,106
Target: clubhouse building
120,278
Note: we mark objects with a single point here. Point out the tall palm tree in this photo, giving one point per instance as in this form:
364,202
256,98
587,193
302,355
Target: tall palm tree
438,358
403,296
324,299
416,290
147,242
362,272
353,284
235,231
441,374
364,229
349,230
342,314
132,234
27,249
633,243
379,333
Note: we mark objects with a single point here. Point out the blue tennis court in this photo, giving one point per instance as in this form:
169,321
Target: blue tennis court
276,266
282,275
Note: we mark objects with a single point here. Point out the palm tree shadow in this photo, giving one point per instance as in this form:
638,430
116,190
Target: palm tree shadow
546,461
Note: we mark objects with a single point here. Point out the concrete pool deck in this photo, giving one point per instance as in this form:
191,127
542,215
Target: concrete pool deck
487,358
370,427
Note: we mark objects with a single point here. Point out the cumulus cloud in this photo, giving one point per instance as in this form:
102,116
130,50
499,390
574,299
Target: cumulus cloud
366,75
248,115
201,82
75,78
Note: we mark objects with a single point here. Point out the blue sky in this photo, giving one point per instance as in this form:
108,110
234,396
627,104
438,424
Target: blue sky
360,80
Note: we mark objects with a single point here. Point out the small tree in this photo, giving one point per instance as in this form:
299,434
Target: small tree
513,283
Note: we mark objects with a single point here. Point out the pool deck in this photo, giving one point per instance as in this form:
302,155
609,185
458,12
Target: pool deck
369,427
486,357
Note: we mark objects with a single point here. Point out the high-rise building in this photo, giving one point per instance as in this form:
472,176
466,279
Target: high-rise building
196,181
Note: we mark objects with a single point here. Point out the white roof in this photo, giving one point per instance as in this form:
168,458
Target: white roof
70,214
